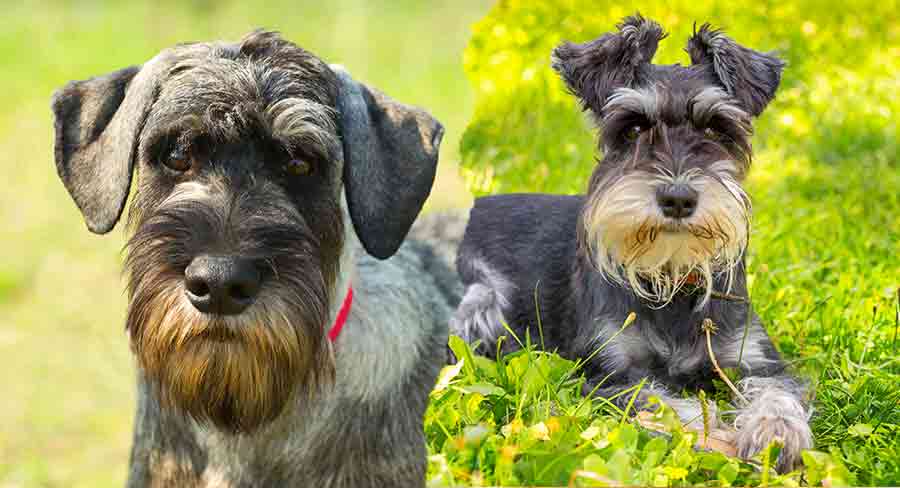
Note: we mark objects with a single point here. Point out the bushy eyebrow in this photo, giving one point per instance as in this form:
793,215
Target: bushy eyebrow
702,107
712,102
303,123
302,127
643,101
182,130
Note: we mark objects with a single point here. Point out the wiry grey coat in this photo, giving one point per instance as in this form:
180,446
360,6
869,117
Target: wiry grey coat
258,152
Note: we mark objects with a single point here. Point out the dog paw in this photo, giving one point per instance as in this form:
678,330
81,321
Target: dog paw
776,413
760,430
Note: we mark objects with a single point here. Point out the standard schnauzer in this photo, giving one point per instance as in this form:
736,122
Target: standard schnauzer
271,350
661,232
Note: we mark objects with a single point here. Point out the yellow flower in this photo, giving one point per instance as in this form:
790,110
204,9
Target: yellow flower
539,431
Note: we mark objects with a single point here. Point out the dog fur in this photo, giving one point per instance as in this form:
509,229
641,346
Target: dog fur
579,265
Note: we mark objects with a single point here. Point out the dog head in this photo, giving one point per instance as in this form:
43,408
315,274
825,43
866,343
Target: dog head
665,205
248,156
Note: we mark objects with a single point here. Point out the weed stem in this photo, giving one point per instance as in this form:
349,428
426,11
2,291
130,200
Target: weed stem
709,327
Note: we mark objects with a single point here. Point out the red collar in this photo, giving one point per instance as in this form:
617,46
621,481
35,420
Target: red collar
693,278
341,316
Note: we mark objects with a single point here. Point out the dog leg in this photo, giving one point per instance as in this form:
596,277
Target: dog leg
776,407
776,411
480,314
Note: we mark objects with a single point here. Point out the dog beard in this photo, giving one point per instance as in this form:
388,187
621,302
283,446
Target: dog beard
237,372
631,243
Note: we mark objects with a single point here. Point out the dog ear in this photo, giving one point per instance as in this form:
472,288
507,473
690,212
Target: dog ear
390,159
614,60
749,76
97,123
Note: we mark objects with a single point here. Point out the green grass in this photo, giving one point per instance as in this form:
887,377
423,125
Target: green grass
823,260
66,373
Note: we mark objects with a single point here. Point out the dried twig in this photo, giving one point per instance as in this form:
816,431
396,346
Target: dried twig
727,296
709,328
693,279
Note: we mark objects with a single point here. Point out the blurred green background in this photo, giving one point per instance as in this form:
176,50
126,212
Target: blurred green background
66,374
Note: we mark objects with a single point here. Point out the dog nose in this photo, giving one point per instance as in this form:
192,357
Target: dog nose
221,284
677,201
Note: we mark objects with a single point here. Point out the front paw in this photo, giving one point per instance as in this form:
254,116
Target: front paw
760,426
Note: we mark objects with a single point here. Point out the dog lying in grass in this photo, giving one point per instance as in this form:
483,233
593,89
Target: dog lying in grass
661,233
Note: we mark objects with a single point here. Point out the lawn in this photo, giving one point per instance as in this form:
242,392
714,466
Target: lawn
823,257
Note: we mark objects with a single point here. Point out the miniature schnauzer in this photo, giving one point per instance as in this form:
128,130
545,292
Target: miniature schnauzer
271,350
661,232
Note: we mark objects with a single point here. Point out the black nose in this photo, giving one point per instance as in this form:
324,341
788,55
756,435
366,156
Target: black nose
221,284
677,201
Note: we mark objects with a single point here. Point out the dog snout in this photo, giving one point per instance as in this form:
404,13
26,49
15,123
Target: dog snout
224,285
677,201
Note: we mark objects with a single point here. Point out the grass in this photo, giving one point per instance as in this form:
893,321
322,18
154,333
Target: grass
823,267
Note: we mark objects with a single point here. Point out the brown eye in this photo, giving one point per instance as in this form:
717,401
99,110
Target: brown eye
179,160
634,131
298,167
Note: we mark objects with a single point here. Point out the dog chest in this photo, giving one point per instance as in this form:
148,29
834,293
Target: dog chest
662,349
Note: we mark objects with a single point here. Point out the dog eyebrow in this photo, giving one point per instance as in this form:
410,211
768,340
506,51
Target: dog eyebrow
303,123
180,130
714,101
644,101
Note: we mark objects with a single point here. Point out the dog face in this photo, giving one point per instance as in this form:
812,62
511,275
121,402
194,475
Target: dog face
246,155
665,205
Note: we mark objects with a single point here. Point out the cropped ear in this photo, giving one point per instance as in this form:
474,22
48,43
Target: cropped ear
97,123
593,70
751,77
390,159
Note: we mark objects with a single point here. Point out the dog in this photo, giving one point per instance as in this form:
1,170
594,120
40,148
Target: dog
661,232
284,334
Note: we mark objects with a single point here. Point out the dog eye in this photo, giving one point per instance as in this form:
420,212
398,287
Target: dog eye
298,167
179,160
634,131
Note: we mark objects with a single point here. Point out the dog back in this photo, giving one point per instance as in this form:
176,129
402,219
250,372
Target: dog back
523,242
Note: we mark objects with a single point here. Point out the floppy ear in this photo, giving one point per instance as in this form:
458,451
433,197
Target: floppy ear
751,77
97,123
614,60
390,158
